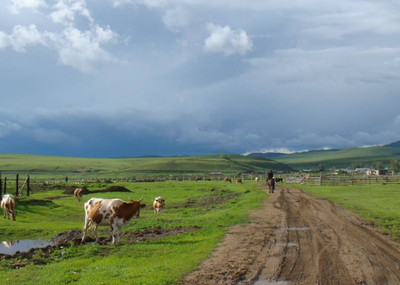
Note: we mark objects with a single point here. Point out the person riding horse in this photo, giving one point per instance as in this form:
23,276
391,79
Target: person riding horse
271,181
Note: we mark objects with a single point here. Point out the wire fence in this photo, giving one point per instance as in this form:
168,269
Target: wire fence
332,180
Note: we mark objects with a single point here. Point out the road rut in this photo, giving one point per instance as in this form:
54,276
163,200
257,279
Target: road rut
296,238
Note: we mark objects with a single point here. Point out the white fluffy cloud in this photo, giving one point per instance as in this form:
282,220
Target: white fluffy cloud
22,37
227,41
82,50
65,11
17,5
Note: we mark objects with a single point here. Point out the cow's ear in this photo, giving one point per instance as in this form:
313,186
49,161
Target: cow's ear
142,205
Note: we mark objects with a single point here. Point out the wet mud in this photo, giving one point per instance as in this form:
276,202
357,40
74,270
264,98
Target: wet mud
73,238
300,239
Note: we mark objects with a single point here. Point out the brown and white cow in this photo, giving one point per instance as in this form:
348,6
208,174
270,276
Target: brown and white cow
78,193
228,179
158,204
8,206
239,180
113,212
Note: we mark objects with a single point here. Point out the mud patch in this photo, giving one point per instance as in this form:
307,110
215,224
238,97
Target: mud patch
70,190
112,189
216,197
73,237
156,233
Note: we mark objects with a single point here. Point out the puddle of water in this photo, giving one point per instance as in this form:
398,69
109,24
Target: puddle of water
289,244
293,229
264,282
11,247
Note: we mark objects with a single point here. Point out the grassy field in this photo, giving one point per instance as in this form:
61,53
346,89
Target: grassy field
379,204
210,206
54,166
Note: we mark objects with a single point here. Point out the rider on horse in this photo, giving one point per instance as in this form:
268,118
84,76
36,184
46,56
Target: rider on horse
271,180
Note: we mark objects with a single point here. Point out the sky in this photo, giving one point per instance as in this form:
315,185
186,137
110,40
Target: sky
124,78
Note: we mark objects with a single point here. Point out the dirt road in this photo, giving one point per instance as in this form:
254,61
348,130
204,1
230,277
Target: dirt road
299,239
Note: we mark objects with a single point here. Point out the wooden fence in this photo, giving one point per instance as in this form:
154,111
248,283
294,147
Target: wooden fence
332,180
17,191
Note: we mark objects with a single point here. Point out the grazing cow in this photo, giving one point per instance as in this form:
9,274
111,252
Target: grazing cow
113,212
78,193
8,206
257,179
239,180
8,244
158,204
279,179
227,179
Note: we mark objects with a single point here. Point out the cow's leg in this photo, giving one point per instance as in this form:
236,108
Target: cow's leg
113,228
5,212
118,230
85,228
95,232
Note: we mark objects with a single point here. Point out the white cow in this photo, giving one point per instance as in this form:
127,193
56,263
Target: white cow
8,206
113,212
158,204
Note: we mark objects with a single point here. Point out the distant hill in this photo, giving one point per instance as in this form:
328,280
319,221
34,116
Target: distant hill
271,155
339,158
395,144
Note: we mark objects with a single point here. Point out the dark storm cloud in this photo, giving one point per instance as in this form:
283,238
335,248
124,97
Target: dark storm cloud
134,77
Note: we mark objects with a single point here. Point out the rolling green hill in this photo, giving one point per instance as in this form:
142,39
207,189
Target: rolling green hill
360,156
72,166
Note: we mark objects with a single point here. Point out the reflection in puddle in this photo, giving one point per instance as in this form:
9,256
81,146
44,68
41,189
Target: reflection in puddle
11,247
293,229
264,282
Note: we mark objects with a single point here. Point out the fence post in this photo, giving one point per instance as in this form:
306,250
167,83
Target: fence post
27,186
16,185
5,185
1,185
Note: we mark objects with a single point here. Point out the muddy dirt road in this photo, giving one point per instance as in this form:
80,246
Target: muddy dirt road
299,239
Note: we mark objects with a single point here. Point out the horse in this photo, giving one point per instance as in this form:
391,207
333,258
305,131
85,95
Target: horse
271,185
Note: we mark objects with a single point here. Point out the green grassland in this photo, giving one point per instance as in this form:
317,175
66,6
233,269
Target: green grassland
213,207
379,204
50,166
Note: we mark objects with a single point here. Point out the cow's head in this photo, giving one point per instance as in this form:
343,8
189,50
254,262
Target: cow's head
139,206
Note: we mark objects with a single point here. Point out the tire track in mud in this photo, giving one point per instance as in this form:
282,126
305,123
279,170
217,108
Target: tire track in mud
300,239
